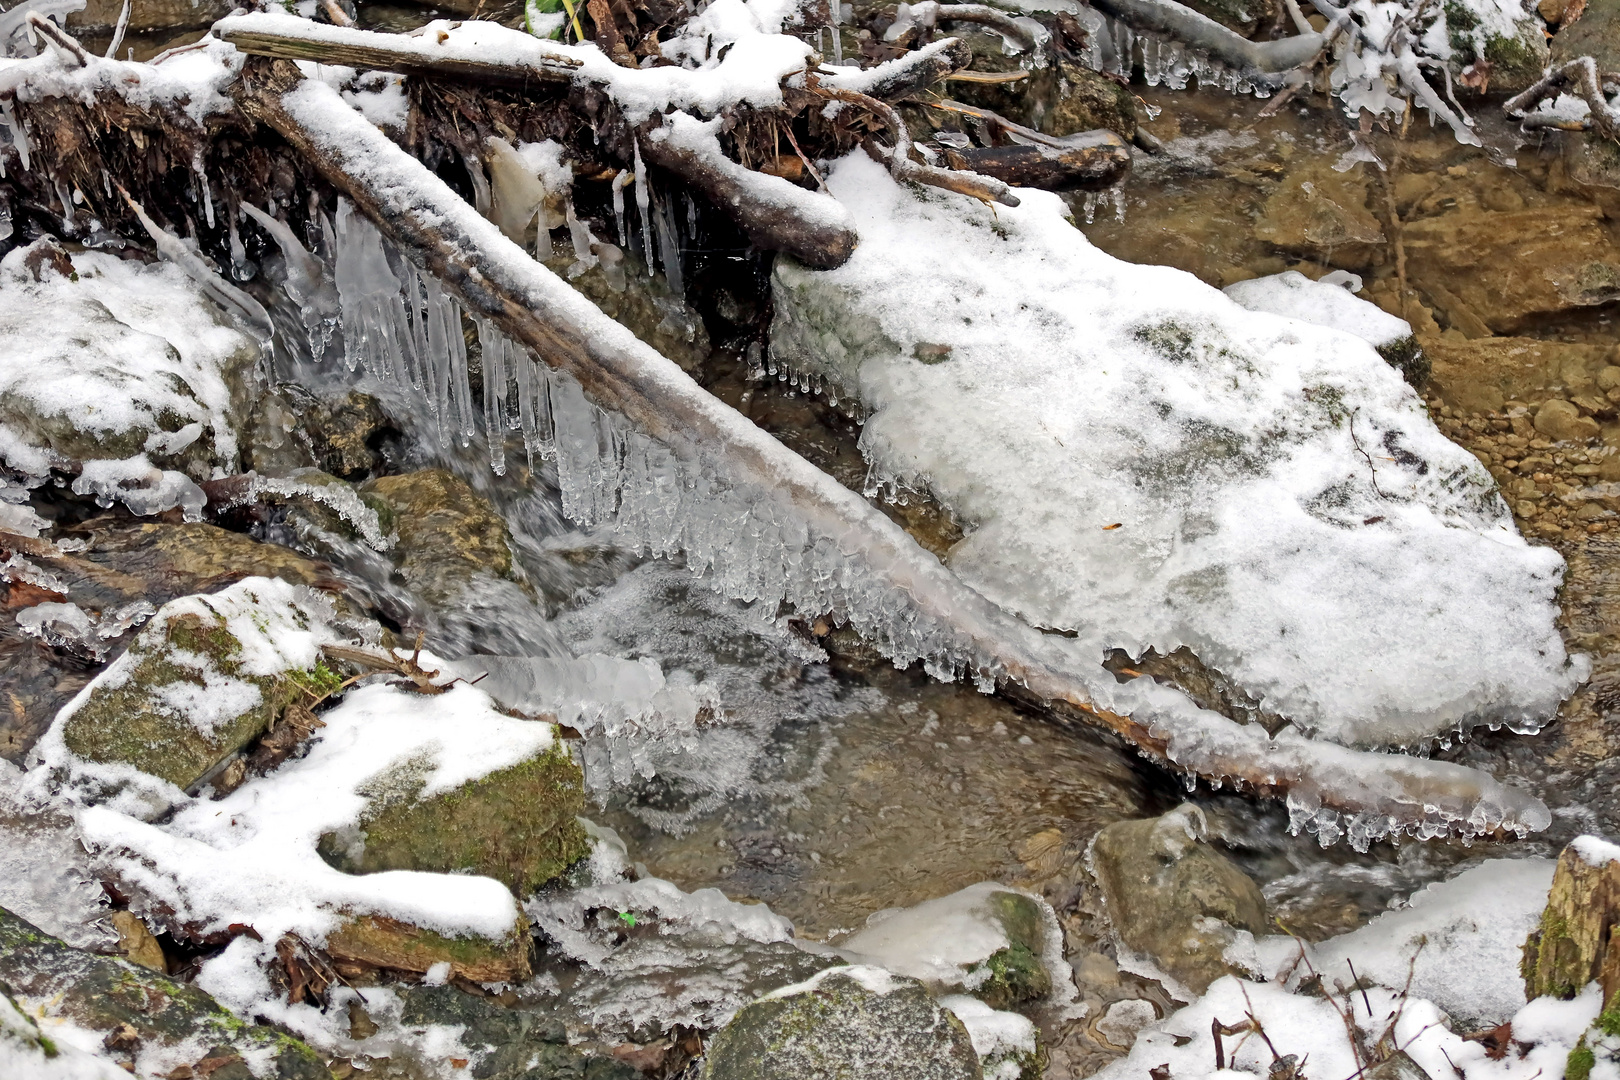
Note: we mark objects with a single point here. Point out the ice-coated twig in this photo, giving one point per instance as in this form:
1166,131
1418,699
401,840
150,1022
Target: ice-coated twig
118,31
228,296
902,167
930,12
1580,77
1256,59
16,17
903,76
60,38
910,603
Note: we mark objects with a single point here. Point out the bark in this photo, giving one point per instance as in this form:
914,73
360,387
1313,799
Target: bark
1574,943
495,279
1099,163
372,51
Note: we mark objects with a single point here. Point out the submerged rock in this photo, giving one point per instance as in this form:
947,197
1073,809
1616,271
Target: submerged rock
844,1022
156,1023
205,677
514,1044
448,533
1173,897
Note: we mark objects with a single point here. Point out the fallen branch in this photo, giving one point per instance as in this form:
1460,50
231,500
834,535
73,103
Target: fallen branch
913,598
1091,162
775,214
367,50
905,75
1255,59
929,12
1580,77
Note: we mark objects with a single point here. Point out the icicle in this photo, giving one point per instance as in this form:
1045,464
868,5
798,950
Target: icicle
1151,71
5,219
493,346
664,220
619,182
201,173
239,260
580,234
66,198
837,33
1124,44
1118,194
643,204
19,136
1091,207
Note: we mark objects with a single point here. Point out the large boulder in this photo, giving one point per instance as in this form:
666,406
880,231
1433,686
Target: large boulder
512,1043
144,1015
1173,898
846,1022
202,679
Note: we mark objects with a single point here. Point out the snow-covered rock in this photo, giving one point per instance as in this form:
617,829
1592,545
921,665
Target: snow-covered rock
1139,461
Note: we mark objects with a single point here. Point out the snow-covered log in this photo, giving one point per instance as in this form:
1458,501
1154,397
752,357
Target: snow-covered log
1256,59
811,539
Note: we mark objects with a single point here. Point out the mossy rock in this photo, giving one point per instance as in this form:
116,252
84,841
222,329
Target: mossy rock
514,1043
518,825
1516,61
448,533
101,993
379,942
1572,945
1406,357
182,698
837,1027
1016,973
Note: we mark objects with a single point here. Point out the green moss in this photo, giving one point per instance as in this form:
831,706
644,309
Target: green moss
1608,1020
518,825
1406,357
1016,976
1580,1062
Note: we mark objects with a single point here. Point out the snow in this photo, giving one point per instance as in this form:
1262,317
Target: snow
1138,460
127,349
1295,296
1595,851
1471,927
250,857
1465,935
193,81
874,980
999,1038
24,1057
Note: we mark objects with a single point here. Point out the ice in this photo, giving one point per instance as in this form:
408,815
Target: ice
45,876
712,488
305,280
626,709
1295,296
27,1053
999,1038
1212,490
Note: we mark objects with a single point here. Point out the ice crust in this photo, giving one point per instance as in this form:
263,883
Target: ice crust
1295,296
1140,461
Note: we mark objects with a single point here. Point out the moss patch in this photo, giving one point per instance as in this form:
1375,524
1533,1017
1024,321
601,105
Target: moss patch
380,942
518,825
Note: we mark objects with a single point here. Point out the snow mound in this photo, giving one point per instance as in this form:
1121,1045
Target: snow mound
1296,296
1141,462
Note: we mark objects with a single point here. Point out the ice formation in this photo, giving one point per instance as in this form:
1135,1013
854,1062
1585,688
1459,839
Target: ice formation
1266,492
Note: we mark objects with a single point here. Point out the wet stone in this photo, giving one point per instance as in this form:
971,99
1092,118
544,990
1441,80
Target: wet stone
853,1022
448,533
1173,897
514,1043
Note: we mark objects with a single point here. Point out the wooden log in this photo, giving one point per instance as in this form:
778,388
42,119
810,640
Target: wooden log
773,213
1575,942
1256,59
494,278
368,50
1098,160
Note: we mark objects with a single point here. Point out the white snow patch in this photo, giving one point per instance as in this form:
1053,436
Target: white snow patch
1295,296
